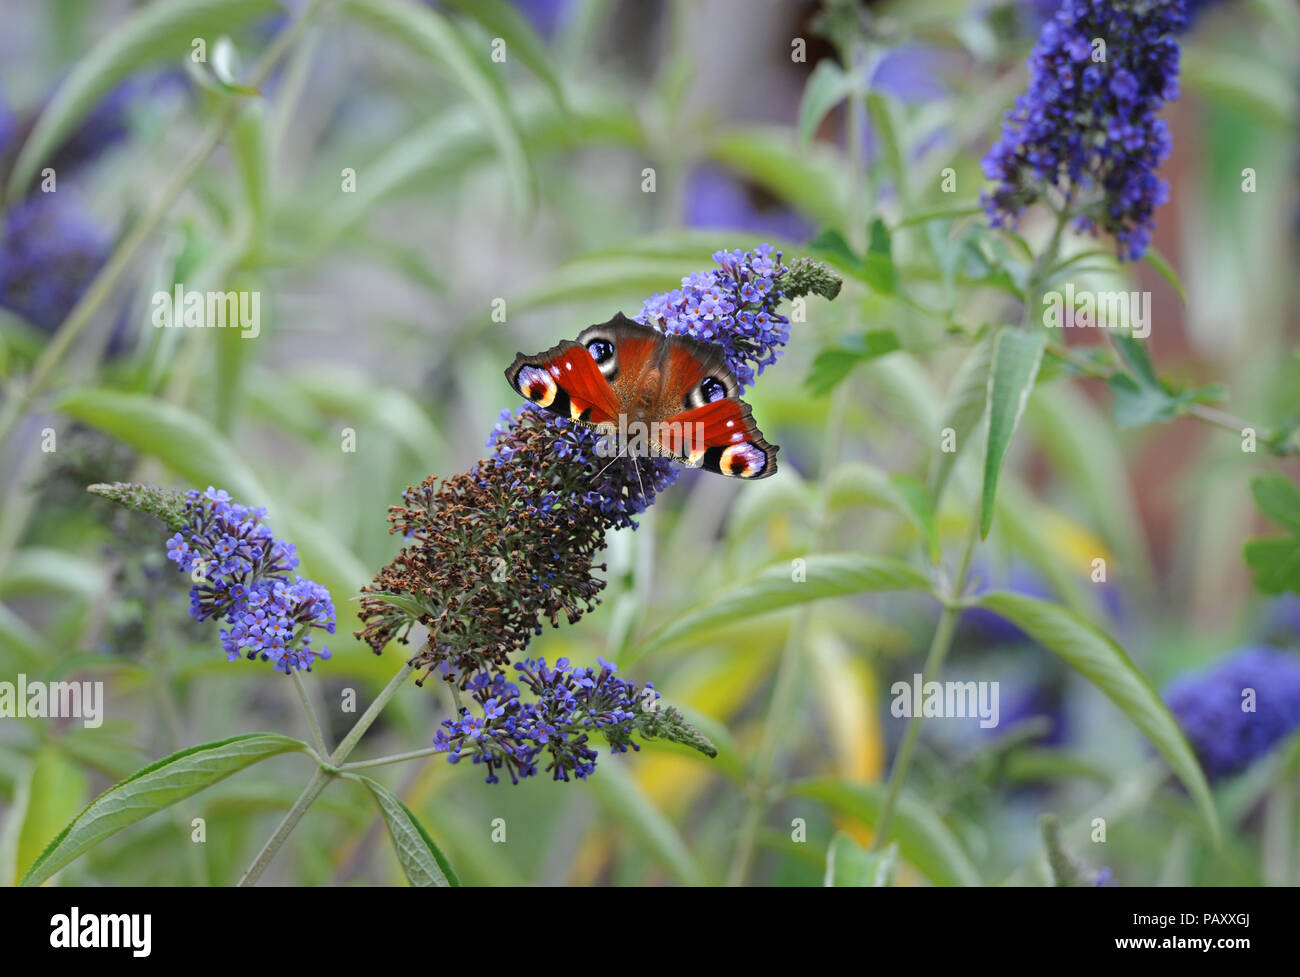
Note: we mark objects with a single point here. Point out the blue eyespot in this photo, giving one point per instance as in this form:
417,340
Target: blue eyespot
601,350
711,389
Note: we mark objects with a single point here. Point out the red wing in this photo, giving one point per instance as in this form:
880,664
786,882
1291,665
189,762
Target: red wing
565,380
719,437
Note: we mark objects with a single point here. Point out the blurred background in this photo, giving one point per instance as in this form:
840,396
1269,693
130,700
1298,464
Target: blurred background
389,188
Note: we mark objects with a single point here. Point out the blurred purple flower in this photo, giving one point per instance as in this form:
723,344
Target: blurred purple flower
546,16
49,253
716,199
1090,128
1228,729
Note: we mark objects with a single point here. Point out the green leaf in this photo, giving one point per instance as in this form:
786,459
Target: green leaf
813,180
878,265
56,792
1278,498
830,246
626,804
1157,261
432,35
37,569
858,482
849,864
157,786
253,157
611,278
963,407
1142,397
153,34
18,640
881,112
1090,652
823,575
1276,559
1276,562
826,87
421,859
832,365
1016,358
500,19
922,837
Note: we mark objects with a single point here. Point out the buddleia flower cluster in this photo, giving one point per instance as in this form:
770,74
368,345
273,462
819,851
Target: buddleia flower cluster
1236,711
569,705
733,306
241,573
492,555
1090,128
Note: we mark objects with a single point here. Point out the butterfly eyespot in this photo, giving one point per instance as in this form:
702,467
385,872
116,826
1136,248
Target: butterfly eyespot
743,461
537,385
601,350
711,389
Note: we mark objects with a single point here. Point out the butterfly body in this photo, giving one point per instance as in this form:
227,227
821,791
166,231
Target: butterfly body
669,395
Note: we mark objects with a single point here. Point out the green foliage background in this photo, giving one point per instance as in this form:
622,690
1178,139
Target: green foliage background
523,181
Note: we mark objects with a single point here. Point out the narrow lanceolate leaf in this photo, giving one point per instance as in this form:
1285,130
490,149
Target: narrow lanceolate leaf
784,585
421,860
922,837
962,409
157,786
1090,652
500,19
849,864
827,86
152,34
432,35
1016,358
57,791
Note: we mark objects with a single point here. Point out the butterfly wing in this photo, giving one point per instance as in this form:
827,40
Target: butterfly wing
565,380
621,370
719,437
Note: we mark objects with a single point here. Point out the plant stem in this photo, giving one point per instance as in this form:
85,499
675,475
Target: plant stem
783,692
392,758
324,773
370,715
317,738
273,844
1044,265
939,645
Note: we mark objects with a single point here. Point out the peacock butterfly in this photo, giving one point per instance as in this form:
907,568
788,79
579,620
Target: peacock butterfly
672,395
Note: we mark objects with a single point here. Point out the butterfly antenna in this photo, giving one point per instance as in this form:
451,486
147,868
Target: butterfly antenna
611,461
636,467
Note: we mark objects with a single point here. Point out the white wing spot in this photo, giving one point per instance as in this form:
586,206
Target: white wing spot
568,365
731,423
